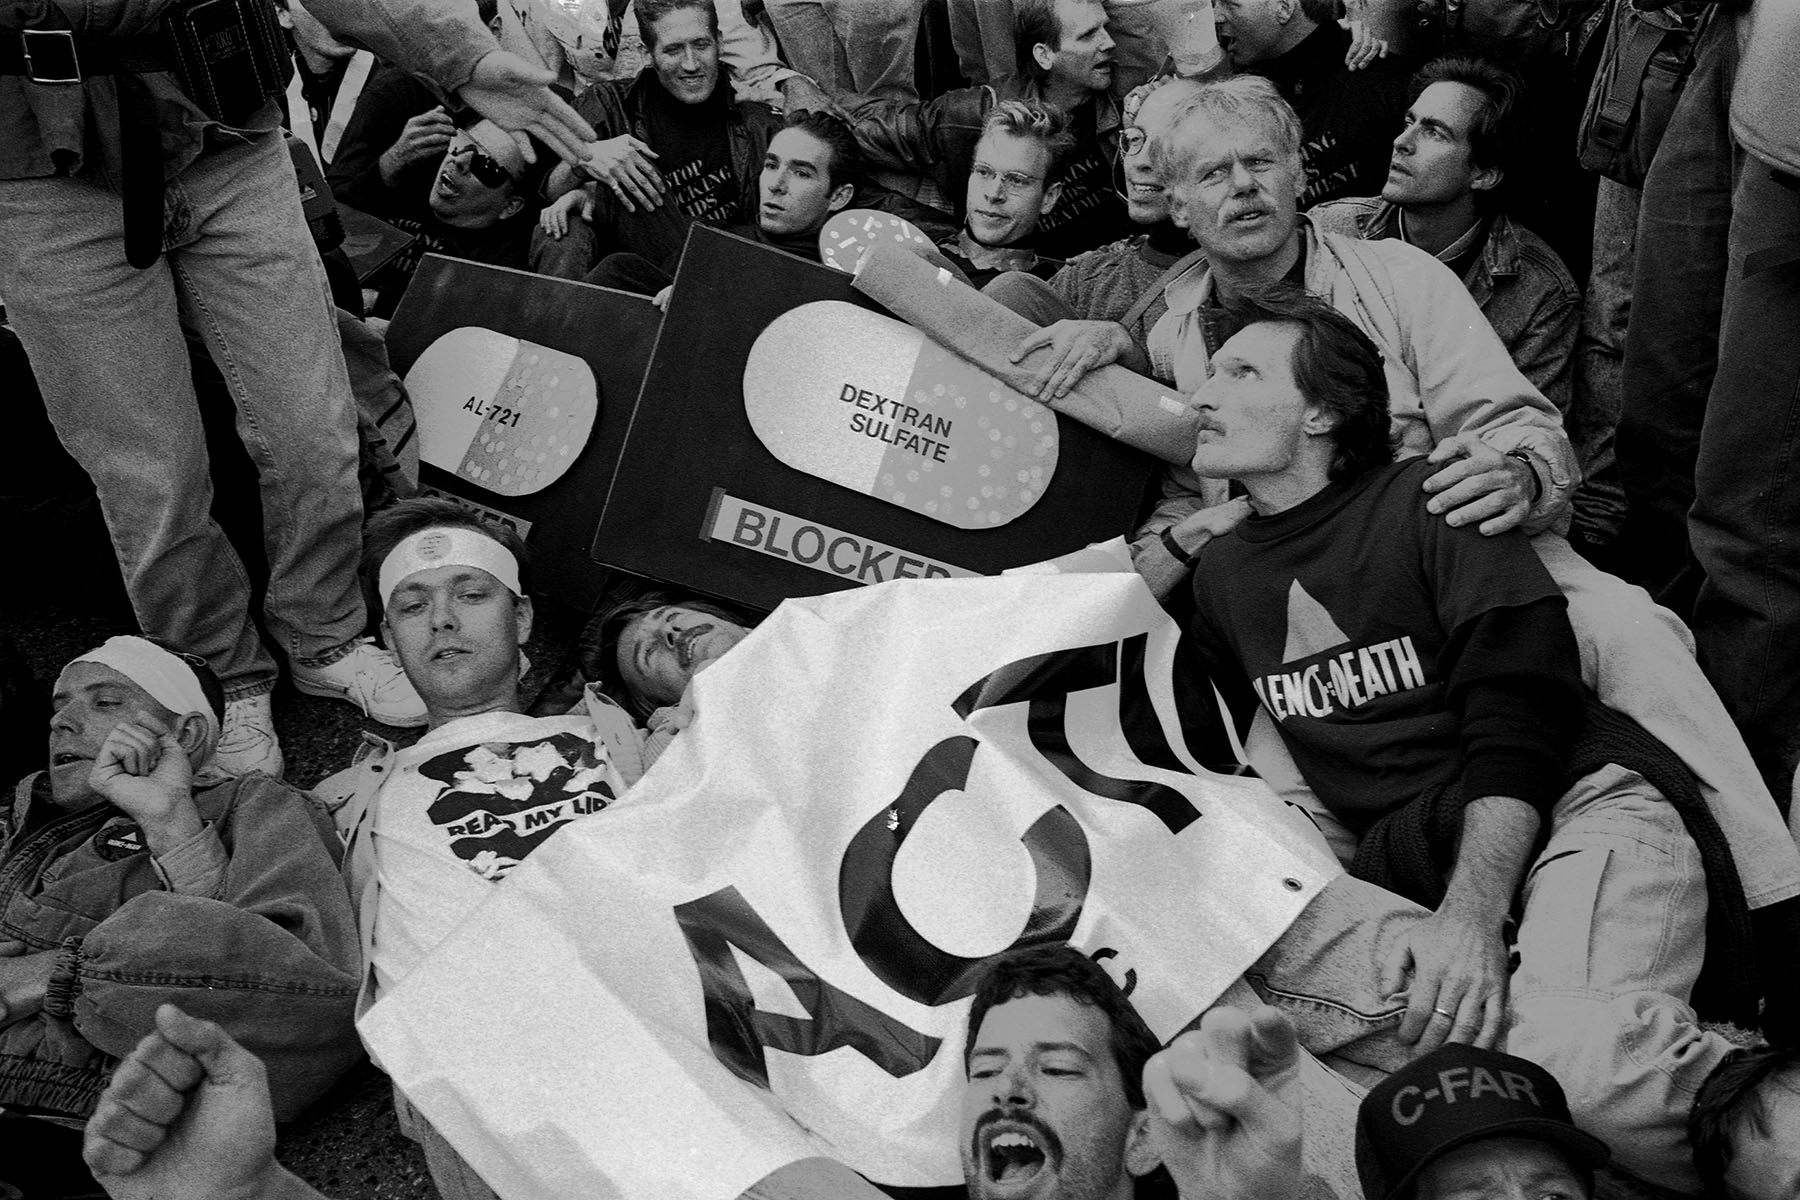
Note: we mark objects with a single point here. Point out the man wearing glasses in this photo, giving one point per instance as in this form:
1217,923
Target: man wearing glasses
1015,180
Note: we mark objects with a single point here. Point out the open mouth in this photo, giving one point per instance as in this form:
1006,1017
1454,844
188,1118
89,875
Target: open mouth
1014,1153
447,652
684,640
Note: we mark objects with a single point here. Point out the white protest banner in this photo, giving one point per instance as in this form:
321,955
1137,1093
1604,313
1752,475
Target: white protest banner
765,950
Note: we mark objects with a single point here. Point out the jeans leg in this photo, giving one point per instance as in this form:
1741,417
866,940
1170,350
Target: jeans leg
1325,973
1671,348
1610,946
880,43
811,44
981,31
1745,524
1599,357
254,289
106,343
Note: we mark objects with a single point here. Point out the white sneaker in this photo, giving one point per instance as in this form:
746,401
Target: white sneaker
247,742
370,678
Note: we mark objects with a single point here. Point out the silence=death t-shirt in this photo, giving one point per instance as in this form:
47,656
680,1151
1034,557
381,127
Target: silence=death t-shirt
464,806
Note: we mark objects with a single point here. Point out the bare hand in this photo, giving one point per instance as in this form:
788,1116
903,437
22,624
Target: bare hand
1071,350
1365,46
800,94
186,1114
661,299
554,220
1454,973
424,138
625,165
1225,1106
516,95
143,770
1479,484
24,981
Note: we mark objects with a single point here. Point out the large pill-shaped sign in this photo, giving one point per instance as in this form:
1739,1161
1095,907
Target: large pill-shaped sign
865,401
507,415
851,234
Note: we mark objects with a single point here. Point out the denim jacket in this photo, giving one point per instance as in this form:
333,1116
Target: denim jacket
268,951
1521,286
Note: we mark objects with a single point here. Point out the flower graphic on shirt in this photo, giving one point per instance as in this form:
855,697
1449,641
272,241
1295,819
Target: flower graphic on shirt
501,800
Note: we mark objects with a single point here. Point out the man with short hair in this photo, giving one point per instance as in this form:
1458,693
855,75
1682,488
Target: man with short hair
1067,55
1463,1123
674,148
1443,194
1427,682
124,885
430,829
1014,182
1347,114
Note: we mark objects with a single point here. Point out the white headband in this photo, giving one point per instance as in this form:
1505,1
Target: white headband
170,682
447,546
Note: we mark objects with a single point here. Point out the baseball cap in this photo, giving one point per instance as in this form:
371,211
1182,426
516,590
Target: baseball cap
1453,1096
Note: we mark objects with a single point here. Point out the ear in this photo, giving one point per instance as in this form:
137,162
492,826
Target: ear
1141,1153
190,732
282,18
1052,194
1318,421
387,632
1043,55
513,208
522,614
840,197
1284,11
1486,179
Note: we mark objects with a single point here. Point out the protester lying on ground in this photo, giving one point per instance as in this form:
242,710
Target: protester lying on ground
1015,181
1427,682
1068,69
1746,1126
123,885
810,171
644,651
430,829
1066,1088
1446,192
1463,1123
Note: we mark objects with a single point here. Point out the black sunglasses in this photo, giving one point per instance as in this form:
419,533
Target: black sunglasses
484,166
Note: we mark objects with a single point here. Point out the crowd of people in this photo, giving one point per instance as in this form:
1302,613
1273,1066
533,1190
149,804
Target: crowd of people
1486,314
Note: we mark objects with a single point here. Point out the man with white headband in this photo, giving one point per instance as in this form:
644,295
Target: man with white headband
432,828
124,886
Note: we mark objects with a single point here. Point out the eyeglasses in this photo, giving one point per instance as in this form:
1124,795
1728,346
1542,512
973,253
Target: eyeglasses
1132,139
483,166
1010,181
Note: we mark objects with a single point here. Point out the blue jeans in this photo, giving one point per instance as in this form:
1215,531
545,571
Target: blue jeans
105,341
851,45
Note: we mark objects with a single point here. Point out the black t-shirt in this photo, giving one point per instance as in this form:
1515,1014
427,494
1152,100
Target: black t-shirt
1089,212
1354,619
693,152
1349,119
